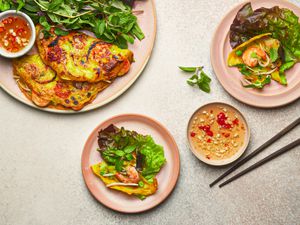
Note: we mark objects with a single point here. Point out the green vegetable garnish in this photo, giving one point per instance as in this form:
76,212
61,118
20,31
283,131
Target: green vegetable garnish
189,69
259,84
110,20
281,22
120,147
141,184
239,52
201,79
273,54
60,32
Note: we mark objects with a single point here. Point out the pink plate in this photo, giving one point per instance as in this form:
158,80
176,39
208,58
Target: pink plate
167,177
272,95
141,49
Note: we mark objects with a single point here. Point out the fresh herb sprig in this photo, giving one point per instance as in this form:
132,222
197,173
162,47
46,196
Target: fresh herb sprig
199,78
110,20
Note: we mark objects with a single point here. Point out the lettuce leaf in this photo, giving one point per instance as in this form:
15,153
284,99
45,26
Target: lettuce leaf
154,157
118,145
282,23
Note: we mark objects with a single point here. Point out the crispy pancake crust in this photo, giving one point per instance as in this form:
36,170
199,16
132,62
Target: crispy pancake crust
56,93
79,57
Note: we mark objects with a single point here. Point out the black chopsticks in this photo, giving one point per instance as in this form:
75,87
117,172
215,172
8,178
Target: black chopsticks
258,150
263,161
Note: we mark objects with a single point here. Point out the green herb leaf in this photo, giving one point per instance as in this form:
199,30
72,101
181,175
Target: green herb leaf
129,157
192,80
4,5
188,69
282,78
43,21
286,66
259,84
119,164
129,149
273,54
21,4
99,28
200,78
60,32
110,20
119,153
141,184
141,197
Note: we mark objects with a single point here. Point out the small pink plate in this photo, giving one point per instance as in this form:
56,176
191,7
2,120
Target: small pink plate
272,95
166,178
141,50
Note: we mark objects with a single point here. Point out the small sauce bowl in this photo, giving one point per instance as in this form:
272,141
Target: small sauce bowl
13,13
218,134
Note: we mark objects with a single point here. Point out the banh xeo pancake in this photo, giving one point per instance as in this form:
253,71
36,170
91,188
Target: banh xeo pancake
80,57
259,60
146,190
41,85
130,163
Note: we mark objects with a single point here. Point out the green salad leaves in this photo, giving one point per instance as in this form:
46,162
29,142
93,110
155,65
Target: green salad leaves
282,23
120,147
110,20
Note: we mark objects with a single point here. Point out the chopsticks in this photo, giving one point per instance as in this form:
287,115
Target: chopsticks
258,150
263,161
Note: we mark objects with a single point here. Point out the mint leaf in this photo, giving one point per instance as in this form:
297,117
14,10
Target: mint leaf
129,149
188,69
119,153
273,54
60,32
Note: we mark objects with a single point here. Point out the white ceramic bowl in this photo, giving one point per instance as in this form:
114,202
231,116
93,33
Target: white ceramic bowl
27,48
226,161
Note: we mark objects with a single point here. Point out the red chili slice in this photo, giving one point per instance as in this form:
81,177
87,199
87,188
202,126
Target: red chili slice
236,121
207,130
222,120
193,134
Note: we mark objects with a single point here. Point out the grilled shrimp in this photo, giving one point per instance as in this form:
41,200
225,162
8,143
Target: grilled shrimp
132,175
248,58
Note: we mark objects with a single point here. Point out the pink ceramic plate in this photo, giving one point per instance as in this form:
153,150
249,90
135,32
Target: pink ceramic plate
272,95
141,49
167,177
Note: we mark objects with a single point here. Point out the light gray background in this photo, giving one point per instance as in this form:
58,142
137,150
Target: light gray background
40,173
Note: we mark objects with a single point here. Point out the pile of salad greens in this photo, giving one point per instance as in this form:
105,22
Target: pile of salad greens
282,23
112,21
120,147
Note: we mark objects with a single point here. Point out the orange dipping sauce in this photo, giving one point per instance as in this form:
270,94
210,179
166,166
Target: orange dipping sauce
217,131
15,33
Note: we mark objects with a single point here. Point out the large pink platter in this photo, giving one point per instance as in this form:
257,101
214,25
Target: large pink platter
166,178
141,49
273,95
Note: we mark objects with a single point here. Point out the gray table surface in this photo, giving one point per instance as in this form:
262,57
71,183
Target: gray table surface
40,173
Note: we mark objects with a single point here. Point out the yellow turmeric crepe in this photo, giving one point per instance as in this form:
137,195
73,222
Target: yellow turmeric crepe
80,57
146,190
41,85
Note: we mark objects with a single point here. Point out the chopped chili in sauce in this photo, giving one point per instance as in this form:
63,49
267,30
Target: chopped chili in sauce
15,33
222,120
207,130
217,132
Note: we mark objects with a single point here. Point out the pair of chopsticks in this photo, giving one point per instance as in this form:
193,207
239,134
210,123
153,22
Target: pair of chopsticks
257,151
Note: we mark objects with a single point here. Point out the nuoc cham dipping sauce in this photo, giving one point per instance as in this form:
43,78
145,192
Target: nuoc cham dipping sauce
15,33
217,131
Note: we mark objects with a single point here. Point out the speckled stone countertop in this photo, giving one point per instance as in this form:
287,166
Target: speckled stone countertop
40,173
